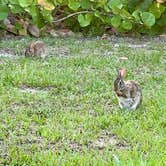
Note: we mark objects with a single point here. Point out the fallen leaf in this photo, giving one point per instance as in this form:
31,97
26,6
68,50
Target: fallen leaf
161,1
9,26
163,35
61,33
137,45
47,5
33,30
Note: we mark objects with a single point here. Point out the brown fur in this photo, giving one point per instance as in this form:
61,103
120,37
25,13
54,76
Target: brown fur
127,91
35,49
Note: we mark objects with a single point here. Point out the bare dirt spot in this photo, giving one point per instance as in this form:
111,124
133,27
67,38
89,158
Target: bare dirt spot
67,145
108,53
58,51
29,89
7,53
18,105
15,106
31,138
50,51
92,112
26,139
75,146
3,150
107,139
137,45
108,106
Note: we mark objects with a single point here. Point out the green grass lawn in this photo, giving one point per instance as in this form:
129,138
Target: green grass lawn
62,110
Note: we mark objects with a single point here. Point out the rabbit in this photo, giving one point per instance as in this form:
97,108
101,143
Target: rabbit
36,48
129,92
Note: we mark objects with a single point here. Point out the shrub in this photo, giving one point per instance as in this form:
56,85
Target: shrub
91,16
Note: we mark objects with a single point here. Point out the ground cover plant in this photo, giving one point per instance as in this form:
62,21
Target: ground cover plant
62,110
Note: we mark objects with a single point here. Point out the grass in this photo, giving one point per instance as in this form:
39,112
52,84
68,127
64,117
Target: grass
62,110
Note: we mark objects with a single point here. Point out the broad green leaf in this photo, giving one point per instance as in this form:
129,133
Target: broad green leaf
85,4
3,15
103,18
106,8
25,3
126,24
101,3
116,11
137,15
32,10
16,2
115,4
108,20
97,14
47,15
144,5
125,14
116,21
148,19
88,17
3,11
74,5
161,7
16,9
162,20
156,9
60,1
84,20
121,29
38,20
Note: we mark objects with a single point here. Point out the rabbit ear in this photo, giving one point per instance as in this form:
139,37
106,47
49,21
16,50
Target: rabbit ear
122,72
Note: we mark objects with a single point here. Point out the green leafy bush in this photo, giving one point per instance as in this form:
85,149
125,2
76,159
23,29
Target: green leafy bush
91,16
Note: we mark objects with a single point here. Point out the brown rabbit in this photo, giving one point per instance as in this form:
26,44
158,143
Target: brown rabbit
35,49
128,92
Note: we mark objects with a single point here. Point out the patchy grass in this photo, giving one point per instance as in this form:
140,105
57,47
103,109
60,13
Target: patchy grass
62,110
